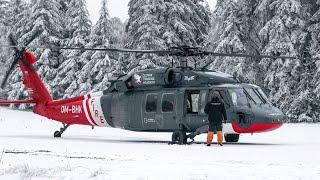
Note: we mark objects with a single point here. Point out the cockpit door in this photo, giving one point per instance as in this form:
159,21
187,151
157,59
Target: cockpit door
242,111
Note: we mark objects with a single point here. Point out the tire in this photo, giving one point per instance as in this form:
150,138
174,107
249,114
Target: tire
179,137
231,137
57,134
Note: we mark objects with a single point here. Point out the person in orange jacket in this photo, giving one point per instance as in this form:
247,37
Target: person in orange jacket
216,114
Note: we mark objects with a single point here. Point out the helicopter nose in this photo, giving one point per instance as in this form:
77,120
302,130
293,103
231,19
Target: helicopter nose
262,122
256,127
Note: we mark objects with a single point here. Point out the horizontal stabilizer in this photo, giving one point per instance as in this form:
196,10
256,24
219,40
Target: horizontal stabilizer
7,102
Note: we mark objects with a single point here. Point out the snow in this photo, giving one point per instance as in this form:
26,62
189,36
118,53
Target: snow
28,151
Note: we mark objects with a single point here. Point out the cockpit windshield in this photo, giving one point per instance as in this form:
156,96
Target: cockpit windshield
254,96
238,97
264,96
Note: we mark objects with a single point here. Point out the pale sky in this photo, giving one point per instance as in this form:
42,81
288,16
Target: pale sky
117,8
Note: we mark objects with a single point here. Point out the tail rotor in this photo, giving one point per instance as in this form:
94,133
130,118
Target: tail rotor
19,55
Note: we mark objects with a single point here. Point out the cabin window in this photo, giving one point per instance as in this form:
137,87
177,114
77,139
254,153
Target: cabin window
167,102
192,103
203,101
151,104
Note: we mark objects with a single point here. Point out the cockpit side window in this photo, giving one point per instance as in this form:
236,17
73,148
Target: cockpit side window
238,97
223,96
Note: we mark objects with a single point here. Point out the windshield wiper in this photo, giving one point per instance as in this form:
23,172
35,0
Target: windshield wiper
248,96
260,96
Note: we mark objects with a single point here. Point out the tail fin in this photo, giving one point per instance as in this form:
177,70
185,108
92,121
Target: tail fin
36,88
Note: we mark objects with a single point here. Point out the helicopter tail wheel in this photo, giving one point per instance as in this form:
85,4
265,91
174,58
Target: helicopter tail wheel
231,137
58,134
179,137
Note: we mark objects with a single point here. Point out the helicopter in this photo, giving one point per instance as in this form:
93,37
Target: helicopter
170,99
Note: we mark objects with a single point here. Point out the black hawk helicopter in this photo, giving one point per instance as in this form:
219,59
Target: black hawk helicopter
170,99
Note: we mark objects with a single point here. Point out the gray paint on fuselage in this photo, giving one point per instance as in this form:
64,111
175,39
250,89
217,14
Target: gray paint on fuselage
127,109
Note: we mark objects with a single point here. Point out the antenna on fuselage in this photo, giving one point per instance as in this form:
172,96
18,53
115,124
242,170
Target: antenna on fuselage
184,61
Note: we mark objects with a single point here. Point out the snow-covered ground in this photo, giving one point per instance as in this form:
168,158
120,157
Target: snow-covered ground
29,151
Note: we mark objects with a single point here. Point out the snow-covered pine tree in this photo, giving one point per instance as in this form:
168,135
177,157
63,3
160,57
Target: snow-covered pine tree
185,22
3,6
283,34
313,67
117,36
235,29
2,36
275,28
64,4
100,67
145,31
78,28
45,28
163,24
17,13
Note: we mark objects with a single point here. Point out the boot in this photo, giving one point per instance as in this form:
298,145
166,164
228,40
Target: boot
209,138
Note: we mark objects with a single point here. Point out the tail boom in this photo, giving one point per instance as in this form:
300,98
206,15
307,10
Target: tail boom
84,110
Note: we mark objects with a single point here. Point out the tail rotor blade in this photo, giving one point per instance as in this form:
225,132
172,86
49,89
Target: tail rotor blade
5,79
13,45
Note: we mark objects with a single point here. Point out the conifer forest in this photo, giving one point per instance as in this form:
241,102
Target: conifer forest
257,27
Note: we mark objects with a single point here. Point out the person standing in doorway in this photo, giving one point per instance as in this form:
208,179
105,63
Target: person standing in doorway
216,114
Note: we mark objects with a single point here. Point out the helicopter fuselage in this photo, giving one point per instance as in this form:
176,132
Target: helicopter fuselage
166,100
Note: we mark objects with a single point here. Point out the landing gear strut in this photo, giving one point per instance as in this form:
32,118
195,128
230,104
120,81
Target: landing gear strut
179,137
58,134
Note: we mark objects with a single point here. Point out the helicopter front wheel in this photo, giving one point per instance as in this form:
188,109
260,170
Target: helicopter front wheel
231,137
179,137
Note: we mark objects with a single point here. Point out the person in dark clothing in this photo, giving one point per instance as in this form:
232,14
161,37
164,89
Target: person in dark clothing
216,114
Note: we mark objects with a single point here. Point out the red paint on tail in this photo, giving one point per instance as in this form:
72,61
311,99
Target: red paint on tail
37,90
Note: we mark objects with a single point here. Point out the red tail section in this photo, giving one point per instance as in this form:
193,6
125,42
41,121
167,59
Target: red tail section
85,110
37,90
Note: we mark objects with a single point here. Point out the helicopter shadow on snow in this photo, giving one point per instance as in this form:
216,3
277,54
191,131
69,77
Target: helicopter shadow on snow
95,139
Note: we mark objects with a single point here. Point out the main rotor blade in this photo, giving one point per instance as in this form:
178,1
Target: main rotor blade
250,56
97,49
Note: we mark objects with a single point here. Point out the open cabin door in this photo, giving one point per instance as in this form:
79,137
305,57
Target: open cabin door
195,101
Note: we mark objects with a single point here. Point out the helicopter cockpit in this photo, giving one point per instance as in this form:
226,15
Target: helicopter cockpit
248,96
